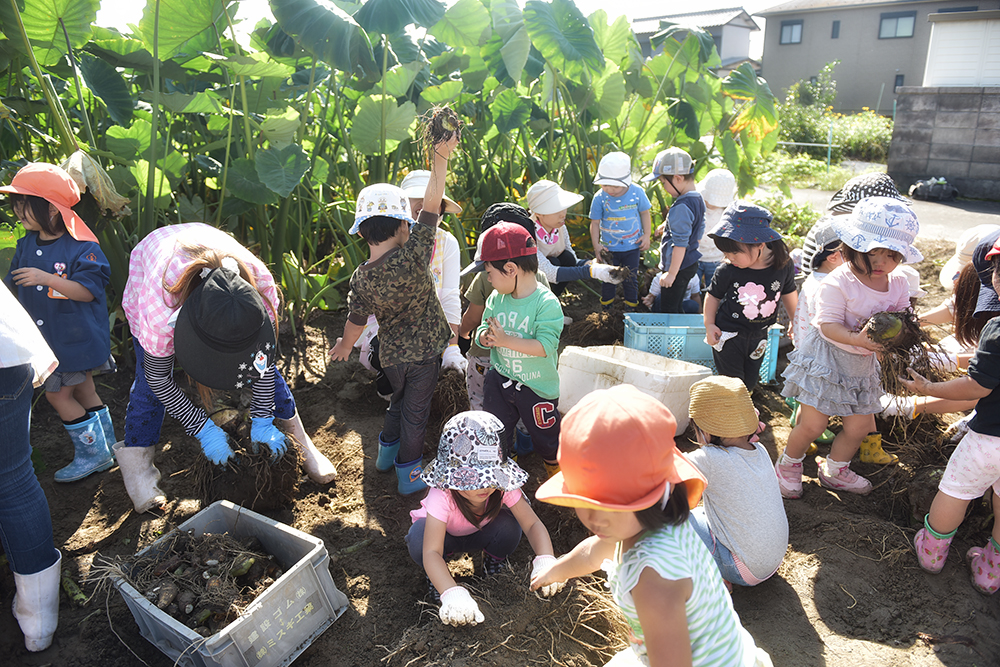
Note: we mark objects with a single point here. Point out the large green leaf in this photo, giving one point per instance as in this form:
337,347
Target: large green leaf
161,185
563,36
510,111
44,20
388,16
204,102
515,44
366,130
132,54
328,33
281,170
466,23
686,120
258,65
613,39
187,25
105,82
608,93
758,114
700,44
129,142
280,127
243,182
399,79
443,94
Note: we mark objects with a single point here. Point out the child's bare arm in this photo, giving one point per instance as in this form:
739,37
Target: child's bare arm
647,229
712,332
586,557
534,529
439,169
661,607
963,388
791,302
342,350
471,319
30,277
839,333
595,238
676,259
433,552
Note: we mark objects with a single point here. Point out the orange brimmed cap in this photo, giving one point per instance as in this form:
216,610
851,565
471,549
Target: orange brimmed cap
54,185
617,453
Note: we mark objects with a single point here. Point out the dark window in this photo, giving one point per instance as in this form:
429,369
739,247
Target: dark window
899,80
897,24
948,10
791,32
835,31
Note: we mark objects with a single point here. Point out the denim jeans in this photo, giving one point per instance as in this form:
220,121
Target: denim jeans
498,538
144,414
568,268
25,522
406,419
723,557
705,272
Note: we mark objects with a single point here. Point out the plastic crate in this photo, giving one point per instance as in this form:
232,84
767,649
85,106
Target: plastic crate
683,337
282,621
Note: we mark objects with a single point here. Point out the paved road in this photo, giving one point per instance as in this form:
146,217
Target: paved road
937,220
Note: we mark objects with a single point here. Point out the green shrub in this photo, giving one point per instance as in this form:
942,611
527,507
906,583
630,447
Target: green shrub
791,219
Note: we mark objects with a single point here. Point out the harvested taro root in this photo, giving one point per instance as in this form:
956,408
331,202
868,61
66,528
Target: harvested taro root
904,345
441,125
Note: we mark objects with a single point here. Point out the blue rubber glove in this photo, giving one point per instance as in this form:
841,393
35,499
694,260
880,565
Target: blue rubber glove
214,443
262,429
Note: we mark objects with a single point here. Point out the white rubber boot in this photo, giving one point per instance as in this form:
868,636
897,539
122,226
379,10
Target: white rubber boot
140,475
36,606
317,466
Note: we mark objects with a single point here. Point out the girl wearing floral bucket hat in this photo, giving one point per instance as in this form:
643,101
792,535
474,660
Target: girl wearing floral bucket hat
833,369
632,488
474,503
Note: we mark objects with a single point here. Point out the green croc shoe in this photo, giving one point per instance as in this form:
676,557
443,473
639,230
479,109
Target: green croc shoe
824,439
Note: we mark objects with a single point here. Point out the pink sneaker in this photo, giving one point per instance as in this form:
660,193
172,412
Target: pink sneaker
985,565
789,478
845,480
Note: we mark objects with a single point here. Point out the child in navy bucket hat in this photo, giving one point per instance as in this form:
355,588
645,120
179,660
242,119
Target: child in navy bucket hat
742,300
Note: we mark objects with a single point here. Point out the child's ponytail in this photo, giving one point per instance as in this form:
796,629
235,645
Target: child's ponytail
674,513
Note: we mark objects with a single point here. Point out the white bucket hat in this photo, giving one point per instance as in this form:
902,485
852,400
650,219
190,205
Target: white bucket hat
966,245
718,188
470,456
545,197
881,222
414,184
382,199
615,169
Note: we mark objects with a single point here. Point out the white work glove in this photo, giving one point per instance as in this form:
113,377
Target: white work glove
458,608
946,361
603,272
539,565
452,359
897,406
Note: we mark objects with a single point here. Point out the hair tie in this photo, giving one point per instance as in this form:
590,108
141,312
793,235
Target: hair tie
204,273
666,497
230,264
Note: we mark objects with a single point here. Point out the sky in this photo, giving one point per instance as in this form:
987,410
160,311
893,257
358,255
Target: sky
119,13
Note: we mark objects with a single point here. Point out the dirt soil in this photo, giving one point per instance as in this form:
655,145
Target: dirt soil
848,593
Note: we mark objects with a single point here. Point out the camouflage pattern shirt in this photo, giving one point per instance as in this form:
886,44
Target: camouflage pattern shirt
398,289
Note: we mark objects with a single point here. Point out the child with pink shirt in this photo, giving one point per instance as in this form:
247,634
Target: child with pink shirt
833,369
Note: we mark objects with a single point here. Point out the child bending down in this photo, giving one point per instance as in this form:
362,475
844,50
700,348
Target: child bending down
743,521
833,369
974,466
633,489
742,301
474,504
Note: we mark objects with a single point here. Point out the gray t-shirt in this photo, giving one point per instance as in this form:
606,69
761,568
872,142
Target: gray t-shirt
743,504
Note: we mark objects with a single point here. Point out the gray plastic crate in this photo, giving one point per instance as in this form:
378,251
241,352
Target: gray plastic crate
282,621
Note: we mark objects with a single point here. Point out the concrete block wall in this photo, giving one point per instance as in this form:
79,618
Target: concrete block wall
950,132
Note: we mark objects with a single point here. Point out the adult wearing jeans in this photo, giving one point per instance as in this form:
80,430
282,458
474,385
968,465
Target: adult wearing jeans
25,522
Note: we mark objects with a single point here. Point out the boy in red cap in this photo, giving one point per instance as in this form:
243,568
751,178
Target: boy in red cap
521,327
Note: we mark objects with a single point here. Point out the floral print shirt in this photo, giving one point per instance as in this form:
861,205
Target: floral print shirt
749,297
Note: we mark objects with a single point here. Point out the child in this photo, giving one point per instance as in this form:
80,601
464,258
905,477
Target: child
743,520
820,256
521,324
692,295
973,466
548,203
742,301
684,227
474,503
396,285
718,189
833,369
633,489
620,224
59,275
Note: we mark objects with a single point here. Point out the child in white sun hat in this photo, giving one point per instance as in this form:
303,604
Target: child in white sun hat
620,224
718,189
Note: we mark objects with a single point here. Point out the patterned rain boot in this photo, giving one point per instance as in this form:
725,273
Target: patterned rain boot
493,566
91,452
932,547
872,452
408,479
985,565
109,428
386,454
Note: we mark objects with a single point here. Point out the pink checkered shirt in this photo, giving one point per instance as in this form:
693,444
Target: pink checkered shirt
159,260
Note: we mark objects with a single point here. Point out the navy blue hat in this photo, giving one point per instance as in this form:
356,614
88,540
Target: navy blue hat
745,223
988,302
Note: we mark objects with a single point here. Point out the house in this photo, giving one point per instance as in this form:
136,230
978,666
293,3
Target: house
881,45
730,28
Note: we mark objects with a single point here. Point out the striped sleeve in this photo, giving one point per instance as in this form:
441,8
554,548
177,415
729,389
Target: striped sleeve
263,395
159,373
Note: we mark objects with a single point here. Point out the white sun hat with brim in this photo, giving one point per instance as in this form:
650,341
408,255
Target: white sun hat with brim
966,245
382,199
881,222
415,185
615,169
718,188
546,197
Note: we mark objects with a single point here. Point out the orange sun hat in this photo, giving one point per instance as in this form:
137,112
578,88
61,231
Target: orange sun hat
57,187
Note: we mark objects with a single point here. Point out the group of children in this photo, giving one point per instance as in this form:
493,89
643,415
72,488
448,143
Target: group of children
612,457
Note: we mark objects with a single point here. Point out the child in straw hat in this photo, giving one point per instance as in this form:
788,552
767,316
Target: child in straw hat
632,488
743,520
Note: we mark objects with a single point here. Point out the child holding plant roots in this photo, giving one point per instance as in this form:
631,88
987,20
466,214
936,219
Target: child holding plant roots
974,466
833,369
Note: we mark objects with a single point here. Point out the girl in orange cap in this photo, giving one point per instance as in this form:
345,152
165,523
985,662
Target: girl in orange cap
630,486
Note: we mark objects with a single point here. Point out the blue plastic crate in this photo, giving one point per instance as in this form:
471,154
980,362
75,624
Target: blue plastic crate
683,337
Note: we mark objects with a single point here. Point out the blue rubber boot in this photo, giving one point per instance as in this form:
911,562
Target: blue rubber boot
386,454
91,451
106,425
408,478
522,443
